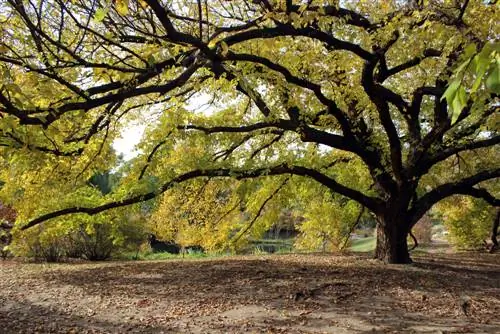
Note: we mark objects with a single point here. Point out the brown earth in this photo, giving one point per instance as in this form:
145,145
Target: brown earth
440,293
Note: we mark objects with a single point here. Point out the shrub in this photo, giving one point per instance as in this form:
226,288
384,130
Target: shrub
94,243
468,221
41,243
93,238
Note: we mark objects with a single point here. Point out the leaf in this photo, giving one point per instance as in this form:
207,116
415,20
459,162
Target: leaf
481,63
212,44
462,66
100,14
225,48
294,18
450,92
493,80
459,103
122,7
469,51
151,60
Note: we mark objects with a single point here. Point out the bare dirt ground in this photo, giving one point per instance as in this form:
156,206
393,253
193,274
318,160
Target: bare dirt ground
440,293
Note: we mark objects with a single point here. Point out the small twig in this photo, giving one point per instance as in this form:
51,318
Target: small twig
356,222
200,20
415,241
228,212
261,209
151,155
462,11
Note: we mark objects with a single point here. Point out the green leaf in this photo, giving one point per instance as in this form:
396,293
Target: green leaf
100,14
493,80
481,63
469,51
450,92
462,66
459,103
151,60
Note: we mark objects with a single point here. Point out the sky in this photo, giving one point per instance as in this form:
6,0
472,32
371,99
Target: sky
130,137
132,134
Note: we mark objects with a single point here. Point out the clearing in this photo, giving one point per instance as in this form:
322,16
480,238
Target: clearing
306,293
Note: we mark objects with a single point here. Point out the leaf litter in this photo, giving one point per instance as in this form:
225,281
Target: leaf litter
301,293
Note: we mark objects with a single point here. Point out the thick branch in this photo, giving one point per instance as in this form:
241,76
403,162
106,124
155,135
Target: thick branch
386,73
307,134
426,163
371,203
288,30
464,187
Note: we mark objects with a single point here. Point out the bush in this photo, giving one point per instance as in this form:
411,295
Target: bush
40,243
94,238
94,245
54,242
468,221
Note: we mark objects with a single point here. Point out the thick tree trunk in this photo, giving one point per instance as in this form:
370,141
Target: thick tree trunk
494,232
392,245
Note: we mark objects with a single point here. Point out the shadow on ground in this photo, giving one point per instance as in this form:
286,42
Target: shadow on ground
275,294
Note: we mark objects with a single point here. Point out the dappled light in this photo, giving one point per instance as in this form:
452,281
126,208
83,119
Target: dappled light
249,166
279,294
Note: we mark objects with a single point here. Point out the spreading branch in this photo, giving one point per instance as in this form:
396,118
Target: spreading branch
370,202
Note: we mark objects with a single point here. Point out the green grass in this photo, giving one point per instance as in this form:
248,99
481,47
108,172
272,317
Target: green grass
162,256
363,245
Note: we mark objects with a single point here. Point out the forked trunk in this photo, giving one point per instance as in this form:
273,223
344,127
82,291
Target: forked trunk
392,245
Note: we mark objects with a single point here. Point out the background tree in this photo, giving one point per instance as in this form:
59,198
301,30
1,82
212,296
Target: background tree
287,83
200,212
469,221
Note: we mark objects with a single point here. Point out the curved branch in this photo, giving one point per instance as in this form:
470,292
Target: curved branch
151,155
464,187
54,114
386,73
379,99
430,161
287,30
283,70
370,202
482,194
307,133
415,241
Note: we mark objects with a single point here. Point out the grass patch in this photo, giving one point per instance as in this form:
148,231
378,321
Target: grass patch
363,245
163,256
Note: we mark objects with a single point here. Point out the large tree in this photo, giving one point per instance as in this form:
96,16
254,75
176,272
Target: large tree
289,85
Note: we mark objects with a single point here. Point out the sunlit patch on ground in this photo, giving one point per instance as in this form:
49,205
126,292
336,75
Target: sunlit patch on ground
274,294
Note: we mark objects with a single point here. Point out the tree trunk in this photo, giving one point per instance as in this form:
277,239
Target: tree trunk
494,232
392,245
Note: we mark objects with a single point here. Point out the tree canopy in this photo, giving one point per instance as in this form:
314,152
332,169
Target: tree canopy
403,93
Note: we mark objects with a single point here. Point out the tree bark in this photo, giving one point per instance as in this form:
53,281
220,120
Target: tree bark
494,232
392,245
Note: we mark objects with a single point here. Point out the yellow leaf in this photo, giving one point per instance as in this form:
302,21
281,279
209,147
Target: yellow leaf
225,48
122,7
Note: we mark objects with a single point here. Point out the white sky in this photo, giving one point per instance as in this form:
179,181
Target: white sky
132,134
130,137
